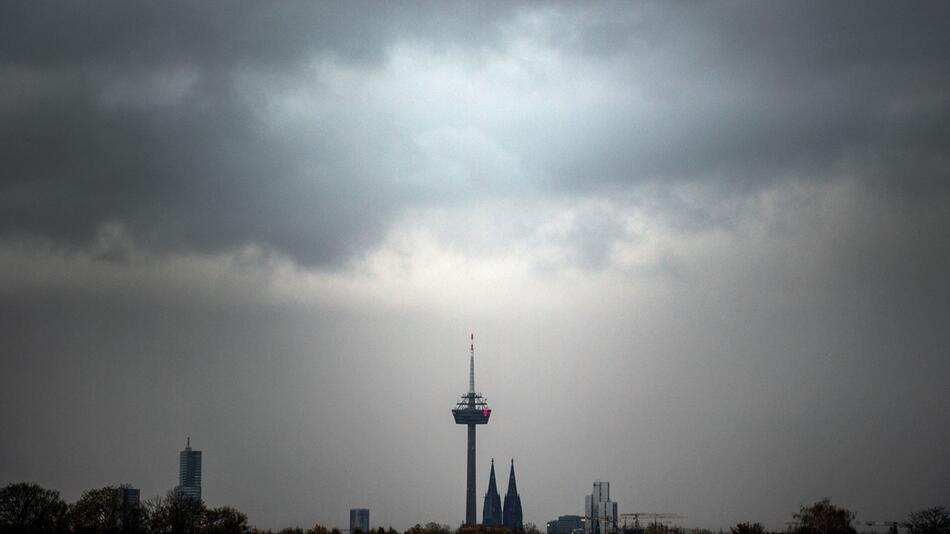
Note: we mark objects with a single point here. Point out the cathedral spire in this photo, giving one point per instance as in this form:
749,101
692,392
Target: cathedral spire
512,517
492,486
491,510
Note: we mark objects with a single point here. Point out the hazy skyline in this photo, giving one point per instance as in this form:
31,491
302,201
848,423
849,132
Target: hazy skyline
703,248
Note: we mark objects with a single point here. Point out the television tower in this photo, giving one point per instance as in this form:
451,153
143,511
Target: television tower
471,410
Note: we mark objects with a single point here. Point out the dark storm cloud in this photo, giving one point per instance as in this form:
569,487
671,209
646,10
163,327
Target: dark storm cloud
191,176
220,34
194,169
130,113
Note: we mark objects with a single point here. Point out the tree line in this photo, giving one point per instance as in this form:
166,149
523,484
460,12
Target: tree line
27,508
823,517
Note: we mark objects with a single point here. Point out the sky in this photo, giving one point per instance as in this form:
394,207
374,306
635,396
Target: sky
703,248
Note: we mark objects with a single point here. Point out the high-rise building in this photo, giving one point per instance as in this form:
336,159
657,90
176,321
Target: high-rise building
129,496
130,513
359,520
601,512
471,410
566,524
491,511
189,473
512,517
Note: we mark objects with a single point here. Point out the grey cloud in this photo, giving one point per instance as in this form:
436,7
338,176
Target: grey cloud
195,176
129,113
85,145
746,96
222,34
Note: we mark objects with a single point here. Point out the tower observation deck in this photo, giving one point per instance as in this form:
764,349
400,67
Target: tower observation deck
471,410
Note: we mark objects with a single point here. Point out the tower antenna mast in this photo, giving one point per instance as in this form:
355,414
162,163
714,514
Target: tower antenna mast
471,366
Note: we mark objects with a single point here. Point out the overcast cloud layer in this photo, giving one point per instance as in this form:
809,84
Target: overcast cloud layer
704,248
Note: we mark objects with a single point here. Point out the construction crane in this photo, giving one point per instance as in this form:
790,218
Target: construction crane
657,518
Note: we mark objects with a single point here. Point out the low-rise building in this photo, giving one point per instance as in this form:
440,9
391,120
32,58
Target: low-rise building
566,524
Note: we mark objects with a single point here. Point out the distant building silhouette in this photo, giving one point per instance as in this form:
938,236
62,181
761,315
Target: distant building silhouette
359,520
511,515
600,510
491,511
189,473
566,524
129,500
129,496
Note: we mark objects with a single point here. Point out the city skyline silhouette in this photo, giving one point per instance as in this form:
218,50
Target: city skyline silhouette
703,248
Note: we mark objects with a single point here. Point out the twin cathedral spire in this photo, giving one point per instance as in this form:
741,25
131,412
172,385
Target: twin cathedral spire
493,514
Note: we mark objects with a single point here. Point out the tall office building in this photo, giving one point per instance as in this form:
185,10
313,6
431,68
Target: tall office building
601,512
512,517
491,510
359,520
189,473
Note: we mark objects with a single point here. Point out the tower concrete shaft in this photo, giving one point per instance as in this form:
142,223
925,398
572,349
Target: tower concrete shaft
470,518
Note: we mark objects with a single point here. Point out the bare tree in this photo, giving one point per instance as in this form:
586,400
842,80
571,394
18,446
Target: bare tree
930,521
176,514
104,511
28,508
824,518
225,520
748,528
